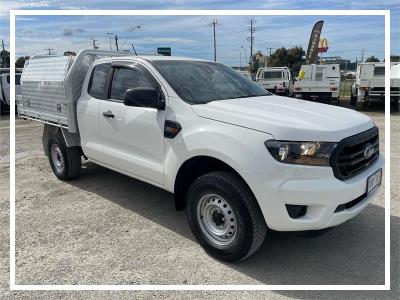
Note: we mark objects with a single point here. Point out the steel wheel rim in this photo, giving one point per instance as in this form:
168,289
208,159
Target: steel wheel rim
57,158
217,220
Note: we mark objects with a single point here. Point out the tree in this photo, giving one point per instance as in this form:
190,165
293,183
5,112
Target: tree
394,58
21,61
291,58
5,58
256,61
372,59
295,58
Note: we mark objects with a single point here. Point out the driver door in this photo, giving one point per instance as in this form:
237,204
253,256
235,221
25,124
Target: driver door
132,137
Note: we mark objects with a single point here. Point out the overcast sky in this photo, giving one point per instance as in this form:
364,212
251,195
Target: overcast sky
192,36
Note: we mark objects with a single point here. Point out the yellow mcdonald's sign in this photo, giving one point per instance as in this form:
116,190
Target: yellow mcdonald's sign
323,45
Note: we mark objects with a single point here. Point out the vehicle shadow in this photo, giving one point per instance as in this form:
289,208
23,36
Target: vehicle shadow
352,253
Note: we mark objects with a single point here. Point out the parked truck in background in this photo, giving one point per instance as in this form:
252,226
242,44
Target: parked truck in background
240,160
5,91
370,85
246,74
277,80
320,83
395,85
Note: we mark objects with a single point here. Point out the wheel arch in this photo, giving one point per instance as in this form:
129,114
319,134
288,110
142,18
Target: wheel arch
195,167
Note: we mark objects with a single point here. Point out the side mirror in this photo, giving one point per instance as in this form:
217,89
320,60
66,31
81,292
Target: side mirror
144,97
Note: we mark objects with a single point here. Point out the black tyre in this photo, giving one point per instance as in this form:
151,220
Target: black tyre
64,161
2,108
334,101
353,100
224,216
360,105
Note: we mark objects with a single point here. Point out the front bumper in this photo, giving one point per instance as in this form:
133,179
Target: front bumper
315,187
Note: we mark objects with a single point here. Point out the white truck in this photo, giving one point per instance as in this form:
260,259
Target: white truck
246,74
277,80
239,159
370,84
319,83
395,85
5,91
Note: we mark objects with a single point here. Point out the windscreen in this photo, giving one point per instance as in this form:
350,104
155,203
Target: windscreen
199,82
271,75
17,79
379,71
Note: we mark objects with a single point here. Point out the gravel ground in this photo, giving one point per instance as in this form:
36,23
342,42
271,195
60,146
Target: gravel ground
106,228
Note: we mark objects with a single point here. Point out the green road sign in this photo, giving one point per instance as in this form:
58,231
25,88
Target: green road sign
166,51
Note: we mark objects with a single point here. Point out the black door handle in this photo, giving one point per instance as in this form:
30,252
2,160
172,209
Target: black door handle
108,114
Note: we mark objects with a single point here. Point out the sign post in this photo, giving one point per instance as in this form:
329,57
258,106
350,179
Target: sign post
166,51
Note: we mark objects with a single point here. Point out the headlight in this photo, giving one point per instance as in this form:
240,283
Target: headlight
301,153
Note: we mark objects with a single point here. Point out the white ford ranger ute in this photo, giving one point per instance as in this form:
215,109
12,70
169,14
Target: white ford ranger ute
239,159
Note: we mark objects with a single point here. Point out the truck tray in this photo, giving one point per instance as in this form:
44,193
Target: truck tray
51,87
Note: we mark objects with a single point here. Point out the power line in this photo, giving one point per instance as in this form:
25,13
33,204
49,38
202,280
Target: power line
131,30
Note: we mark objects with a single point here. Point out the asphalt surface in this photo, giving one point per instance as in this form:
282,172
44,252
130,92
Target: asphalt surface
106,228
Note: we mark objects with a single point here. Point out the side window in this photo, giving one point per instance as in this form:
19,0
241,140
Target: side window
98,86
128,78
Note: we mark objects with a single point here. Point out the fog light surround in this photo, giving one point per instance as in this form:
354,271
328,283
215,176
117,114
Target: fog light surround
296,211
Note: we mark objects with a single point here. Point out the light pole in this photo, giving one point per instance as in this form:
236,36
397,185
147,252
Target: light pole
240,57
110,34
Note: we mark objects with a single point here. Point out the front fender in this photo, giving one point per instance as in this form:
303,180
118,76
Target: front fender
241,148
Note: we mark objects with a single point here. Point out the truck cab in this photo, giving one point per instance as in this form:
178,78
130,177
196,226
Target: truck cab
277,80
320,83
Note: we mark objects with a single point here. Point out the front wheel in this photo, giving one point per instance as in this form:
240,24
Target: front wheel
64,161
224,216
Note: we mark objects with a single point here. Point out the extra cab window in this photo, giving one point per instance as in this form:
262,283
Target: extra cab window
128,78
98,85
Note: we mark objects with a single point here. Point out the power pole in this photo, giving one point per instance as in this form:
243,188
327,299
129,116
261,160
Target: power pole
213,24
270,50
251,39
110,34
116,41
49,49
94,43
3,54
362,55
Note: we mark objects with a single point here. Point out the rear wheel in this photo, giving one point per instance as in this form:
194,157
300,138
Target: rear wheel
353,100
224,216
64,161
360,105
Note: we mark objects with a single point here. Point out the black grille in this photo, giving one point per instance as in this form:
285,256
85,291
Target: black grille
348,158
